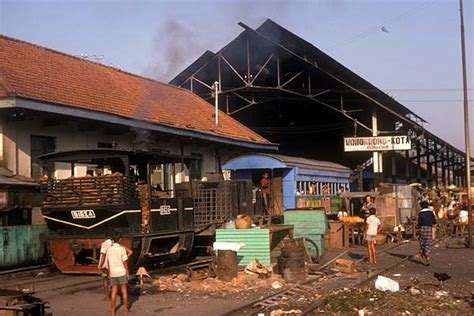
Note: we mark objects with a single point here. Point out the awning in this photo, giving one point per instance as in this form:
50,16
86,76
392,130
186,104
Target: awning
271,161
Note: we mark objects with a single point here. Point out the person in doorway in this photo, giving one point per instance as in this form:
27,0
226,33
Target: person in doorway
117,263
372,228
265,187
102,266
426,221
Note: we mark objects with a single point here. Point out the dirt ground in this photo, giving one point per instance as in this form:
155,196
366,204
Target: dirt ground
419,293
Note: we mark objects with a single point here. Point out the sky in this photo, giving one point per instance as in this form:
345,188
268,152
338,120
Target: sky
416,58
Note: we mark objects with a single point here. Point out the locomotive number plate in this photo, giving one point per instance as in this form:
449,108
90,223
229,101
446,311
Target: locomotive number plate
83,214
165,210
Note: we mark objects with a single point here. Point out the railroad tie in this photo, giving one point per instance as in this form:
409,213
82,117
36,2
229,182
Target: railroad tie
278,298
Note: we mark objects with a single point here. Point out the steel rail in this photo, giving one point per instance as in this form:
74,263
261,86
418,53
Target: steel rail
372,276
25,269
251,305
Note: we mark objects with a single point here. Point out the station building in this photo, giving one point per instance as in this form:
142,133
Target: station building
51,102
294,94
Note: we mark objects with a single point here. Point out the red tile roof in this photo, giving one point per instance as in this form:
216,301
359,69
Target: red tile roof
38,73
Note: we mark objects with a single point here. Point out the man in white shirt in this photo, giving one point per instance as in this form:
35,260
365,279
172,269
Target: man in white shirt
372,228
117,264
102,267
463,215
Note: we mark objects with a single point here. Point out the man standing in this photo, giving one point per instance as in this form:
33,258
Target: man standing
116,260
426,220
265,187
372,228
102,265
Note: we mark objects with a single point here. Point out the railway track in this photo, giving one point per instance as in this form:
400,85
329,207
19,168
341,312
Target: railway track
311,309
57,283
26,269
305,290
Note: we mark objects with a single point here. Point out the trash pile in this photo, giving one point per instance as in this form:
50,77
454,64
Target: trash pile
405,302
245,284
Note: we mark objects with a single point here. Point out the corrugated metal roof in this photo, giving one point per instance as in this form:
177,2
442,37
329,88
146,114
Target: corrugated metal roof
316,56
273,161
310,163
283,38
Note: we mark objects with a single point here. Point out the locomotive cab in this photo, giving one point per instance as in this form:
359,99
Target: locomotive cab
131,192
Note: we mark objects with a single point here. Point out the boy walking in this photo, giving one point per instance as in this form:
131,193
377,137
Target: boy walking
372,228
102,265
116,260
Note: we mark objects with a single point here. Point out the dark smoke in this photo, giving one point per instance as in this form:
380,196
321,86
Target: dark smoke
175,46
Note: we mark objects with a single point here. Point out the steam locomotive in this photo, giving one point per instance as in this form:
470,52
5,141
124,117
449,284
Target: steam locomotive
135,195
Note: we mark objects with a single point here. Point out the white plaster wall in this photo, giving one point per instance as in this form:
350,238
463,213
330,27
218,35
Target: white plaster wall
16,137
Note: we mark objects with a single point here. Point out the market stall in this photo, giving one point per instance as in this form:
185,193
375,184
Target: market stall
295,182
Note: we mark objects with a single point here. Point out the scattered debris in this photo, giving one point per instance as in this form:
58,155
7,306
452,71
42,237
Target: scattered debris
386,284
378,303
344,265
256,268
244,284
440,294
201,270
413,290
39,274
276,285
26,289
282,312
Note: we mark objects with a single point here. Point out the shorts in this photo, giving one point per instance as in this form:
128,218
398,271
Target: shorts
118,280
370,237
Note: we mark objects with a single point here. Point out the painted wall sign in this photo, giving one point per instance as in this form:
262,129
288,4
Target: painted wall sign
377,143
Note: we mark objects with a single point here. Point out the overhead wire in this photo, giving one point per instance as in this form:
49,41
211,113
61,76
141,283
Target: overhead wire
392,21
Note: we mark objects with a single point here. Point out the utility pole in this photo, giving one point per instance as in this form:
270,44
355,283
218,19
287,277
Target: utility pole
376,156
216,103
466,127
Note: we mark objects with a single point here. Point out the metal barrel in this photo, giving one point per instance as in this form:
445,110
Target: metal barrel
292,261
292,249
293,269
226,265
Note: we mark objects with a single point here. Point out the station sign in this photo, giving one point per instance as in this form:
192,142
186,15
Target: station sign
377,143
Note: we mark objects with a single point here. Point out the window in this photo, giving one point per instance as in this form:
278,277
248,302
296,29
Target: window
195,167
40,145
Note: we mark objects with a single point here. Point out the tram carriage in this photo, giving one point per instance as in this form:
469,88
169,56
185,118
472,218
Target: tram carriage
155,220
